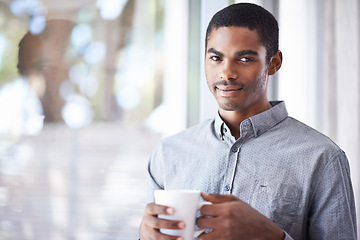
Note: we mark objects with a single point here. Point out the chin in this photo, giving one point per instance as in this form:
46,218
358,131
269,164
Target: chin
230,107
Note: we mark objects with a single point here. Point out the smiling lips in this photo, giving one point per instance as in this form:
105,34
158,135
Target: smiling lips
228,90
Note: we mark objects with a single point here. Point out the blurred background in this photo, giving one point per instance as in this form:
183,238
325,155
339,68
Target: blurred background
88,88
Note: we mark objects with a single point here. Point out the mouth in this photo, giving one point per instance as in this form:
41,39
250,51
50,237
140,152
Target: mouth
228,90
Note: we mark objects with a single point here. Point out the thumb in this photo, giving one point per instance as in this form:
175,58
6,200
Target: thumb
218,198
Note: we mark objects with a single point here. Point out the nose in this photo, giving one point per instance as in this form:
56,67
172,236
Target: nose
228,71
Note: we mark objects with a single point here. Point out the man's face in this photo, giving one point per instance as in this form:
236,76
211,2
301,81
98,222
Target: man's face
42,63
236,69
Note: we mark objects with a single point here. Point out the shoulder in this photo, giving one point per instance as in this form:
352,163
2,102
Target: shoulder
308,139
299,128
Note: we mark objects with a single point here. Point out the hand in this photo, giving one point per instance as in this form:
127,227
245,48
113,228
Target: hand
150,225
230,218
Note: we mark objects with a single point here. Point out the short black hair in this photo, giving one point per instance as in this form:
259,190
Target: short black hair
253,17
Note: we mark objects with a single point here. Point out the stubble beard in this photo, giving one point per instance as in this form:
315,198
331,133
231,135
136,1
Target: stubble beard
249,95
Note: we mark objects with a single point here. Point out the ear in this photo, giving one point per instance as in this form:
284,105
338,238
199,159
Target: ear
275,63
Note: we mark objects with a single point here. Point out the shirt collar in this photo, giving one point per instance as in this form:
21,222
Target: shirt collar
257,124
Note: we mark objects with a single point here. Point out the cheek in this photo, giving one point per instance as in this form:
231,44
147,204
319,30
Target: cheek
210,75
207,69
261,83
209,82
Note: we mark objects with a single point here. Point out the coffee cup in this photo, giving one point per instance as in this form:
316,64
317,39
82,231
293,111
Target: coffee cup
186,204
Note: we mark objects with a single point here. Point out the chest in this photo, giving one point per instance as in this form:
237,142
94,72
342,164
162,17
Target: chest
272,181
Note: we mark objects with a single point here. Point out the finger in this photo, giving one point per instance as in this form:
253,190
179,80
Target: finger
208,223
155,209
158,223
224,209
213,235
212,210
153,234
218,198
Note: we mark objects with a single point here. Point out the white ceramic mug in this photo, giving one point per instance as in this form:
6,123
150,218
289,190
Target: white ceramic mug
186,203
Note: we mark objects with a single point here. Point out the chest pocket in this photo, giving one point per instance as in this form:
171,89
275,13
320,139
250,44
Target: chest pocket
280,202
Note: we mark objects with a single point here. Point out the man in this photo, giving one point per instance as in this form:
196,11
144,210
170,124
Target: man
41,61
271,176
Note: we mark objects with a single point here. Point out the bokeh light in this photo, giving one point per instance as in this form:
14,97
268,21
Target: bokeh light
81,37
67,88
33,8
17,8
77,112
95,53
81,76
128,97
37,24
110,9
3,46
24,114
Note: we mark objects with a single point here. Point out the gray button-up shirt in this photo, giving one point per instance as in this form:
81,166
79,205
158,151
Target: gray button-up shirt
286,170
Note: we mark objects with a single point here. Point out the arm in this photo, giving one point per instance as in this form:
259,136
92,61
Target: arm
230,218
151,224
332,211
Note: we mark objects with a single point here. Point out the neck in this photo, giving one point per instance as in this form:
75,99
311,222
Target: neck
233,119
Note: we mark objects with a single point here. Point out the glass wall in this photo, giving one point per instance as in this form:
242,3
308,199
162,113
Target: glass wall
78,82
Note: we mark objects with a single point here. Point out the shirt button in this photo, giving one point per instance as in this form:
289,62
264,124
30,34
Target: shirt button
227,188
234,150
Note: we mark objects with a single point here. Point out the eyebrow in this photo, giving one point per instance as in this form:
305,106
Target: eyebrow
237,54
212,50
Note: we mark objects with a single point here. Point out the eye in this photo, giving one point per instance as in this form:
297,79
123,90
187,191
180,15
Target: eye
215,58
246,59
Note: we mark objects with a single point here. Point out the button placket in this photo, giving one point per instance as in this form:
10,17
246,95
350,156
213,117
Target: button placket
233,159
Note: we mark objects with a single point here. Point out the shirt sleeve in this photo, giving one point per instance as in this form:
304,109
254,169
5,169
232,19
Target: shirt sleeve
332,210
154,175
